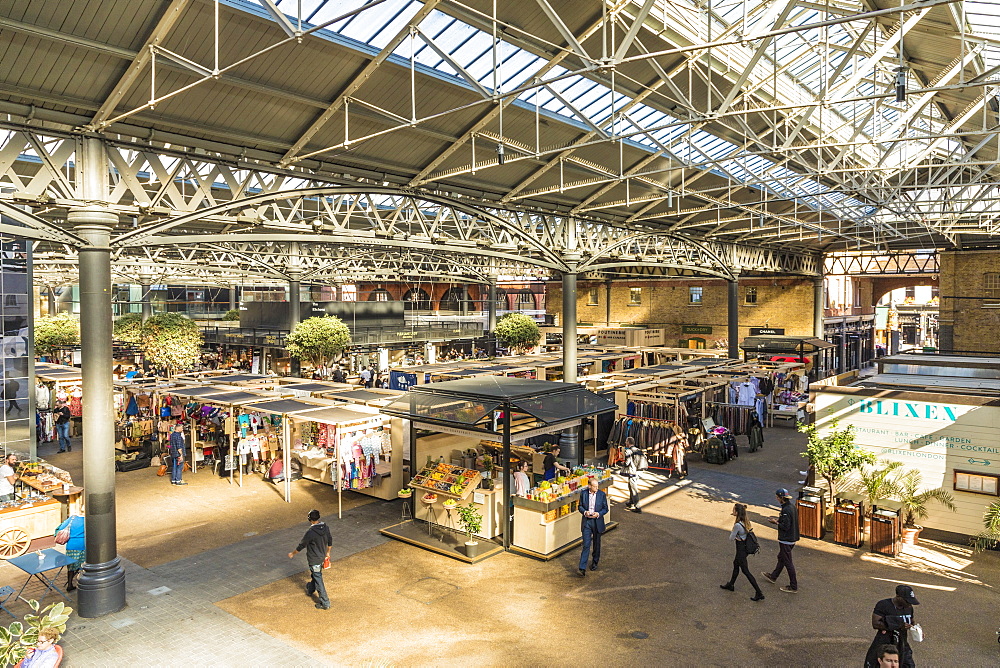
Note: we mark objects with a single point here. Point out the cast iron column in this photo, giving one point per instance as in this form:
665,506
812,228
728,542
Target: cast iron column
52,301
607,303
508,513
819,328
232,298
491,305
147,302
102,580
569,326
294,315
491,317
733,318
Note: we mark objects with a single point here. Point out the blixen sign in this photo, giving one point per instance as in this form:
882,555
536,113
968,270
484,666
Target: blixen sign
906,409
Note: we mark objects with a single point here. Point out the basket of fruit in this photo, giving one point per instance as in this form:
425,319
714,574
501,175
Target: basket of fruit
429,498
405,493
449,503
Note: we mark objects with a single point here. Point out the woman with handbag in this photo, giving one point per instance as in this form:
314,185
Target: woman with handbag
71,533
746,544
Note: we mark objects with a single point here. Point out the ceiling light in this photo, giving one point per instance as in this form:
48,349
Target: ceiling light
901,84
500,153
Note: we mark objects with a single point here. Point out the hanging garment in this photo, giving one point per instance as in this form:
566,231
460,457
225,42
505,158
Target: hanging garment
133,408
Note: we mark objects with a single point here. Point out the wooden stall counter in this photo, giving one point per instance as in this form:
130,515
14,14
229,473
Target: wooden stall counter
545,530
19,525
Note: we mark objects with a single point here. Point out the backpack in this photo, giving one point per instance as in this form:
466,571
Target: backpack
751,543
715,451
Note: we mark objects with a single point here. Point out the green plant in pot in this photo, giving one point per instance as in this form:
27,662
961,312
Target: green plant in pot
989,537
18,637
834,455
879,483
914,498
472,521
488,466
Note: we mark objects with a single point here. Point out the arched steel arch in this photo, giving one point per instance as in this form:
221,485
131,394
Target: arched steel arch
477,232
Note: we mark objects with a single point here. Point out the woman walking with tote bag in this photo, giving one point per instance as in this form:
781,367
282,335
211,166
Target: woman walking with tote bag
740,533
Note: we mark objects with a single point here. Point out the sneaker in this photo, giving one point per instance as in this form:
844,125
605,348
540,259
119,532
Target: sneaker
768,577
727,587
582,573
790,590
180,483
322,607
62,451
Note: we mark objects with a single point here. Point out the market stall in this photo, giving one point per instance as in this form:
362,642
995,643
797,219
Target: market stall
54,383
350,447
493,408
44,497
265,433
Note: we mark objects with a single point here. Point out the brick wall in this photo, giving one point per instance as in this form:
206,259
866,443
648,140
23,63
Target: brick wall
964,322
783,302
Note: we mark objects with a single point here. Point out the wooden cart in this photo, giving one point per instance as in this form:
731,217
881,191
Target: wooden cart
19,526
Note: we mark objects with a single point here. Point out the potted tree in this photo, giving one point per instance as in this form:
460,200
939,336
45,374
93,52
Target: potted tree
914,499
472,521
518,332
171,341
833,456
879,484
319,340
56,332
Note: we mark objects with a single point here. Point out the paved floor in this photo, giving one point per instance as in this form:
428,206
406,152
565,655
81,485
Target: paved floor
654,601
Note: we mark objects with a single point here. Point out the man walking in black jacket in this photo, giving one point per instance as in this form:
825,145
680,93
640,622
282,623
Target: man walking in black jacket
788,535
317,543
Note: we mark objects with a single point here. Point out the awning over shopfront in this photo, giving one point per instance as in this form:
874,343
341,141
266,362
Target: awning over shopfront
784,344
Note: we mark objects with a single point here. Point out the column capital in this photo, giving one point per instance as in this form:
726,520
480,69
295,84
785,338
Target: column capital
93,223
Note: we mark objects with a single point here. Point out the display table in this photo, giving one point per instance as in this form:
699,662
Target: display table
547,529
487,501
29,520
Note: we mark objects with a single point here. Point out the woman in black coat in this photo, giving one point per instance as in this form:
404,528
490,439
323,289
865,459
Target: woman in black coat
741,527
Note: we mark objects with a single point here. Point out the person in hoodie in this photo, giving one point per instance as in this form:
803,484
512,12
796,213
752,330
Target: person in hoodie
317,543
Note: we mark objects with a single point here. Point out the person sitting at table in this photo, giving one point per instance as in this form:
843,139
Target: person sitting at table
75,546
44,654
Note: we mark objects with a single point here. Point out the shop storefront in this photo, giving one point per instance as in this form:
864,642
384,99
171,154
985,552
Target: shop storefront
933,414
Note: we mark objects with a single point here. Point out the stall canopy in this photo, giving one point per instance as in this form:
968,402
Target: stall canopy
364,396
468,402
473,406
234,378
784,344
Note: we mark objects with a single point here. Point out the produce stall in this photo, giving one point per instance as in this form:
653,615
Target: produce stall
547,521
486,408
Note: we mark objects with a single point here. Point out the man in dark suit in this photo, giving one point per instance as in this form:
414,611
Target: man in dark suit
593,507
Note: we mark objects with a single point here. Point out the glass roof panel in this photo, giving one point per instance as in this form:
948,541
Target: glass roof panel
417,406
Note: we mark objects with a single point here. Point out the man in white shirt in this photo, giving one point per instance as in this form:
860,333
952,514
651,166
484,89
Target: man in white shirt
8,478
366,377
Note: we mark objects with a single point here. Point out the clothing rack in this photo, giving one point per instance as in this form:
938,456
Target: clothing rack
734,417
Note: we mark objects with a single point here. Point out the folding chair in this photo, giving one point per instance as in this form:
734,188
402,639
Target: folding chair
6,593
